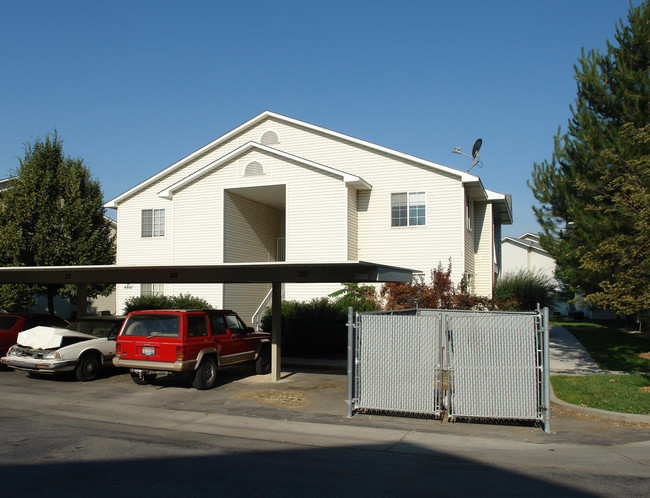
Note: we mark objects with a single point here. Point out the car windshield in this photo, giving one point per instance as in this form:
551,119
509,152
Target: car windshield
96,328
153,325
7,322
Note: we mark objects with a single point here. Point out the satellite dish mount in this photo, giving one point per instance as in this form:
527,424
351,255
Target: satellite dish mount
475,157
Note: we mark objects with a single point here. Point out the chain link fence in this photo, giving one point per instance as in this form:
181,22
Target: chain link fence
459,364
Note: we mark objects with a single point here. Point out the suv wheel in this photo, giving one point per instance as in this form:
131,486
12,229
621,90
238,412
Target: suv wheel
205,376
262,364
88,367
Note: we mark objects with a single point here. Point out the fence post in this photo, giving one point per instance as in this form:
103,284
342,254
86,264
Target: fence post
351,341
547,374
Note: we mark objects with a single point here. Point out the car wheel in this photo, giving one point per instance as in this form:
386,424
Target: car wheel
144,380
88,367
205,376
262,364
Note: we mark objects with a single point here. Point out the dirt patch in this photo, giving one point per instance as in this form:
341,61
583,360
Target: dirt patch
275,397
645,356
646,389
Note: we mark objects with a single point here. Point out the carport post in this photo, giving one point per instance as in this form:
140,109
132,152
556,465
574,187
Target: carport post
276,332
82,298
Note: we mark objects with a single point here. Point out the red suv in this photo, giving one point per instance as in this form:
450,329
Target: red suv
195,341
12,323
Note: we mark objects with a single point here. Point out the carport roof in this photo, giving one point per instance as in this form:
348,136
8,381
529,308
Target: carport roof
224,273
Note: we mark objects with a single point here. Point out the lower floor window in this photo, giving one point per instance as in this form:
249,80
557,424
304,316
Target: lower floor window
152,289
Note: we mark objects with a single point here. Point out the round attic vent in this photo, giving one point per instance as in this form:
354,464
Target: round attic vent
269,138
254,168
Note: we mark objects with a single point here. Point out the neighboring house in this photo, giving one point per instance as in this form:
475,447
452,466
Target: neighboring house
525,253
279,189
62,306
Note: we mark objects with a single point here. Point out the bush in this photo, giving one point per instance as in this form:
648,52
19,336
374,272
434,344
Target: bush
523,290
313,328
440,293
180,302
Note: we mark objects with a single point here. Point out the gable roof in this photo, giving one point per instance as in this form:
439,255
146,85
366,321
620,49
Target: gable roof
473,181
353,180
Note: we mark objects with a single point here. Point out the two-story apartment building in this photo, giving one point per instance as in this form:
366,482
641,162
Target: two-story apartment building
279,189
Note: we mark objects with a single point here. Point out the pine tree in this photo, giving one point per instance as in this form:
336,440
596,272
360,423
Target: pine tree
594,194
51,215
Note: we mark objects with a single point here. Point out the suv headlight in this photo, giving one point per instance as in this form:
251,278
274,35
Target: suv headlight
51,355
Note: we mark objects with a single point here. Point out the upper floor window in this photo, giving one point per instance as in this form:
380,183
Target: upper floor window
407,209
153,223
468,212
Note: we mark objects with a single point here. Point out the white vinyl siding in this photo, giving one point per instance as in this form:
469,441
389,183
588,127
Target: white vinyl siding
322,223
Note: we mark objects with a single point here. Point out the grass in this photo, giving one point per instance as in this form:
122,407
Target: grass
614,348
618,393
611,346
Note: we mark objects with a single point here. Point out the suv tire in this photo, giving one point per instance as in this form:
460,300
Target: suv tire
262,364
205,377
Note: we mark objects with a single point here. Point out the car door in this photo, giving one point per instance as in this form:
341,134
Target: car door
197,334
238,334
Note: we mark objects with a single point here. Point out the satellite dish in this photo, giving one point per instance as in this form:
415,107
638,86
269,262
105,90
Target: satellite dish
476,148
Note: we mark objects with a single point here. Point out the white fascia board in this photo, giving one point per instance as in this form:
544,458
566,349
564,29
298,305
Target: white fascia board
349,179
525,245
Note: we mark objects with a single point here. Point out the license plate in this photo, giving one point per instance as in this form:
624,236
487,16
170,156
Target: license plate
148,351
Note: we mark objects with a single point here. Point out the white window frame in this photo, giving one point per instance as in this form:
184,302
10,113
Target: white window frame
152,223
414,200
152,289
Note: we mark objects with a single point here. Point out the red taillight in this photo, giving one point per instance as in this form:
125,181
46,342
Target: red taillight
118,350
180,353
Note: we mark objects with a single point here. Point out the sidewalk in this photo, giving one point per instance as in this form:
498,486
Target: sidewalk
569,357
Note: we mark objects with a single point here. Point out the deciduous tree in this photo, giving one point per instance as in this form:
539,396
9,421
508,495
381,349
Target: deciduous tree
52,215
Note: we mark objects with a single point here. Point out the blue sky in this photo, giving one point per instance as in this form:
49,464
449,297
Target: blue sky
133,86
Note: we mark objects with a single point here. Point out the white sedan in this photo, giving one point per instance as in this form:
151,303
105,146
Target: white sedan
83,347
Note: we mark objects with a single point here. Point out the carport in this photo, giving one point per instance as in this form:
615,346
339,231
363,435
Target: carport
275,273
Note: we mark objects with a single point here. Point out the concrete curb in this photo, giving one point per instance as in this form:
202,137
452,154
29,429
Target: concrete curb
630,418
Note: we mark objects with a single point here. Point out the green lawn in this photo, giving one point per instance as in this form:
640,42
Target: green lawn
614,348
617,393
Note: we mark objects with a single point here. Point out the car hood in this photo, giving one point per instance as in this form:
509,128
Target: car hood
49,337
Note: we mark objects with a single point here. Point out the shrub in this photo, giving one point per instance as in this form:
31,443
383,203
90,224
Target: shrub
182,302
523,291
310,328
439,294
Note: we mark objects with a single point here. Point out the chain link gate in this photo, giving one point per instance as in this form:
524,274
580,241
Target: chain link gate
465,364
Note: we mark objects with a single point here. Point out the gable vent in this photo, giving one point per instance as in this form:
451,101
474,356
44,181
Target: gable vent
254,168
270,138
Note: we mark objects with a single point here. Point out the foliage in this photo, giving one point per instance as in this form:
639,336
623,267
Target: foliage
594,194
159,302
612,347
617,393
52,215
523,291
360,297
439,294
310,328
